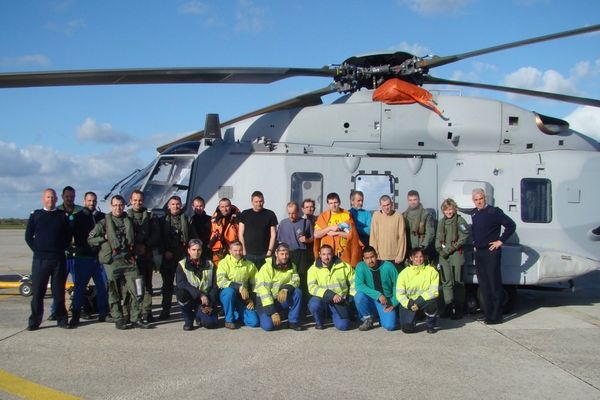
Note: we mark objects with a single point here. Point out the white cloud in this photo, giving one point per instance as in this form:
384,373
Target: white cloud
414,48
27,60
249,18
24,172
193,7
430,7
100,132
68,28
553,81
586,120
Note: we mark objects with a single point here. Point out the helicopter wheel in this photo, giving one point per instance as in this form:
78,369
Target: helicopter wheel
26,289
510,298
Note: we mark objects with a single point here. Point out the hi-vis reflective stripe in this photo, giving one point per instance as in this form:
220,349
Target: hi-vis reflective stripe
263,284
264,297
430,292
19,387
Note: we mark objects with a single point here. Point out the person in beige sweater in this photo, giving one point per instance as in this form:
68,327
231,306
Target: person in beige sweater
388,234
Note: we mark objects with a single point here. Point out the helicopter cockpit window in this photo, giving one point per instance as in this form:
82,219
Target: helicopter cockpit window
170,177
536,200
308,185
374,186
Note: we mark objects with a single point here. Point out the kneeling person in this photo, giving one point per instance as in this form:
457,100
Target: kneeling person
375,287
331,283
235,278
417,289
277,289
196,289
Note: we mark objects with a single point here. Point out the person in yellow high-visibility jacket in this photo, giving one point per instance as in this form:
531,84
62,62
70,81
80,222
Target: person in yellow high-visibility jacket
277,291
331,283
417,289
235,278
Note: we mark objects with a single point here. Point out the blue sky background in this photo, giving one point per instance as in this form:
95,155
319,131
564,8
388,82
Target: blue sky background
90,137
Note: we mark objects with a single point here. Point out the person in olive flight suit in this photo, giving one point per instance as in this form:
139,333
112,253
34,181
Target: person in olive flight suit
174,236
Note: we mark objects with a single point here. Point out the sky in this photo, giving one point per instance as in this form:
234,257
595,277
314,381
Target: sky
91,137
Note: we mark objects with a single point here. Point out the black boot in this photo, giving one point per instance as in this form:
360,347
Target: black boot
74,322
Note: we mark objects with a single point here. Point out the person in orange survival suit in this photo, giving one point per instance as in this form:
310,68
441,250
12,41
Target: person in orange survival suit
335,227
224,229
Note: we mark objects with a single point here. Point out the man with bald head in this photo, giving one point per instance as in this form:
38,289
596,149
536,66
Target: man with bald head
47,235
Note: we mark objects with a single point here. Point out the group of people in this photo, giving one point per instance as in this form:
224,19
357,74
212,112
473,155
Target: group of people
261,271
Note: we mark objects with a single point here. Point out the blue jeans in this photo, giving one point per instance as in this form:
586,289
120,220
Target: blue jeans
235,309
83,270
191,310
317,308
293,316
367,307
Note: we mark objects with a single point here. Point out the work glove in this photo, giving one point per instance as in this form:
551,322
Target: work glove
282,296
244,293
276,319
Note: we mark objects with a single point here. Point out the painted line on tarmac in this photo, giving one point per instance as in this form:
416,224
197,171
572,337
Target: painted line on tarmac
23,388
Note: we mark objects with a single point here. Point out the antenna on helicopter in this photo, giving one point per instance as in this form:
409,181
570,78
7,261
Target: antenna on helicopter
212,127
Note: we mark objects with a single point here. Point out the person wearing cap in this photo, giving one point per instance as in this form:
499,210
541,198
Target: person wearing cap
196,288
235,279
277,291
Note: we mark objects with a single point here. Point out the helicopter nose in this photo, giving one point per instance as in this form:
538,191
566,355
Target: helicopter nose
594,234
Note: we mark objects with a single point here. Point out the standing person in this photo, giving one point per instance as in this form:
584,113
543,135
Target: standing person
196,288
47,235
452,233
200,224
362,217
417,289
146,236
297,234
86,264
331,284
388,233
335,228
308,209
375,282
175,234
223,229
487,223
258,231
69,207
419,223
236,279
278,292
115,236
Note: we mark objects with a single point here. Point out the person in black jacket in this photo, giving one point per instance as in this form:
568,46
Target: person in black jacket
487,222
47,235
86,264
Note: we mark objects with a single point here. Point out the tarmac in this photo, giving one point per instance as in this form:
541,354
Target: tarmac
548,348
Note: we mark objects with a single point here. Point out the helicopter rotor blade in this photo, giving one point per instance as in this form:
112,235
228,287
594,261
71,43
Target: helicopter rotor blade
304,100
437,61
158,75
527,92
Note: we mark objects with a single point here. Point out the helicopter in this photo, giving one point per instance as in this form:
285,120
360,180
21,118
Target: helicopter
386,135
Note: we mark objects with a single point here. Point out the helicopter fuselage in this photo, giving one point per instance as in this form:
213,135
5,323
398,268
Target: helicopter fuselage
541,173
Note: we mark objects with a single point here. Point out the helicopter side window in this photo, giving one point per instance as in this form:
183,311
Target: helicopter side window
374,186
536,200
308,185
